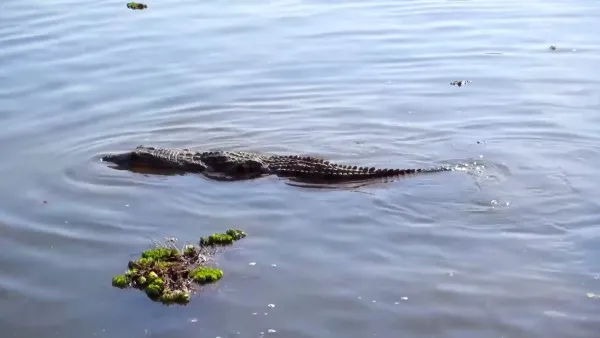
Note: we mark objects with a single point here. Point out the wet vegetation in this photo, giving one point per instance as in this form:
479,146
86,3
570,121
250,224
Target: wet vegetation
136,5
169,275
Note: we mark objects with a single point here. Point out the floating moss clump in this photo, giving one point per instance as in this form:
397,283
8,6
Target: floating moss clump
136,5
120,281
236,234
203,274
226,238
160,254
169,275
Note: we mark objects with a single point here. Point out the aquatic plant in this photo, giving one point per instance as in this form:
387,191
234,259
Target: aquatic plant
136,5
169,275
228,237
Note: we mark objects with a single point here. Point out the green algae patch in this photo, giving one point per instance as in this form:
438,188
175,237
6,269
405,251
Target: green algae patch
169,275
120,281
202,275
136,5
226,238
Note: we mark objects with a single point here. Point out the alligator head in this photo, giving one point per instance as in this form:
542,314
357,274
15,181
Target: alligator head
157,158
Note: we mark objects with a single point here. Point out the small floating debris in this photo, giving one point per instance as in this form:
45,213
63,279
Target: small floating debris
169,275
136,5
555,49
460,83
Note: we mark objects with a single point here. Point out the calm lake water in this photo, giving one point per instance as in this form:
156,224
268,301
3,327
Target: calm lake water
507,247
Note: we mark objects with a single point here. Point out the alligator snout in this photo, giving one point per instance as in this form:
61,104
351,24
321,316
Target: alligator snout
122,160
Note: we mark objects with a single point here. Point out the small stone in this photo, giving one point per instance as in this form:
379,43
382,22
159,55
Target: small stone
271,305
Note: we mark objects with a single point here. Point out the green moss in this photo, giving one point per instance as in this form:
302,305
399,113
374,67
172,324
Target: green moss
153,290
181,297
177,297
130,272
136,5
216,239
236,234
203,275
120,281
160,254
169,275
226,238
138,263
152,276
148,263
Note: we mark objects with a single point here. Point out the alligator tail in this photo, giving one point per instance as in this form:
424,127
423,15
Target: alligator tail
348,174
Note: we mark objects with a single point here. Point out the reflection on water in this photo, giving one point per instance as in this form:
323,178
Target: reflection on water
504,246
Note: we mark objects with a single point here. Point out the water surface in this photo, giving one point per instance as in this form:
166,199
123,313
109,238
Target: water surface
505,248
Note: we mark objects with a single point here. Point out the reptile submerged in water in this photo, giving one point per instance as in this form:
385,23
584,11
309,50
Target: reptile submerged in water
245,165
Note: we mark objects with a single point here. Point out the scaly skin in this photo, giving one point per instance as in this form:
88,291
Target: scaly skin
243,165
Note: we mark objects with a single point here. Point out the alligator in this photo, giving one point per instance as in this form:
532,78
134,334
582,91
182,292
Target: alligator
237,165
